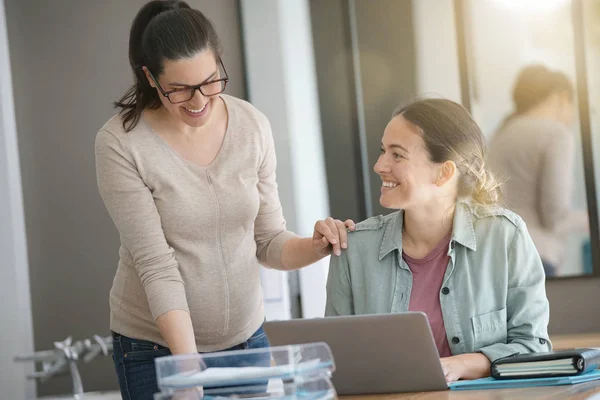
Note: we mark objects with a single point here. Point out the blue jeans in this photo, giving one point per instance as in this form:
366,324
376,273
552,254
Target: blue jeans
134,362
549,268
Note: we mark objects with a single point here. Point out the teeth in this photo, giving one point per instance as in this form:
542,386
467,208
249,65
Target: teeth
389,184
196,111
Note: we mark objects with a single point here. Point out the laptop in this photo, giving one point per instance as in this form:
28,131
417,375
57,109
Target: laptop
384,353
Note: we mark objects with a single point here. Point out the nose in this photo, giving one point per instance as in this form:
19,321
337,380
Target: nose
381,166
198,100
198,94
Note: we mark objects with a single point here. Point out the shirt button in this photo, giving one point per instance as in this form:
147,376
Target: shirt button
445,290
542,341
455,340
452,245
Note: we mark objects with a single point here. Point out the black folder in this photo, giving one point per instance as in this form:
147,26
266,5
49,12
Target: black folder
545,365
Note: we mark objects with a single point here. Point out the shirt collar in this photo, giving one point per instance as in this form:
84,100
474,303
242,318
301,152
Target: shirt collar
463,231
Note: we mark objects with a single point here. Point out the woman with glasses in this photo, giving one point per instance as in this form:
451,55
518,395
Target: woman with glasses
187,174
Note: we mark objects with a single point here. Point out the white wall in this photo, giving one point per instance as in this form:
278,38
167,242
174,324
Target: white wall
16,336
435,46
282,84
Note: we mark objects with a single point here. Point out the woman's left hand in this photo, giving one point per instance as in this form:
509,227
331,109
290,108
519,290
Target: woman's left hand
466,366
330,235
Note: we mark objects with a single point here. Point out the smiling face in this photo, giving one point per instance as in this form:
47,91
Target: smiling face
409,177
179,74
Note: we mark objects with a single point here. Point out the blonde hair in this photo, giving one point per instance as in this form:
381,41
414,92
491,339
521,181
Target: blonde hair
482,185
450,133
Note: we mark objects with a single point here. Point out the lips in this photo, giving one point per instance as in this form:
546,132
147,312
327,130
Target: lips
195,113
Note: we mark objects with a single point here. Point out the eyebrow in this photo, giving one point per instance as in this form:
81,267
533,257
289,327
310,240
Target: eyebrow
204,81
397,146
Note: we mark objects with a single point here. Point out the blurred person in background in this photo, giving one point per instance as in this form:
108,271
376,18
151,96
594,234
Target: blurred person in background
534,151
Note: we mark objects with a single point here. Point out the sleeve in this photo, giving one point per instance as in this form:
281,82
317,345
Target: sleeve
132,209
270,232
527,308
339,288
556,181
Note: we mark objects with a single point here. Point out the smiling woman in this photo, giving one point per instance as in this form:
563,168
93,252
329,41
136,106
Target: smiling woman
187,174
451,251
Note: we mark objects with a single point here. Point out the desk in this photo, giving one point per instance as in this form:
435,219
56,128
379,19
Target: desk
561,342
577,392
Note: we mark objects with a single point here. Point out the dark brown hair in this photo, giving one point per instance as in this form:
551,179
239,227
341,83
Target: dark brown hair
450,133
162,30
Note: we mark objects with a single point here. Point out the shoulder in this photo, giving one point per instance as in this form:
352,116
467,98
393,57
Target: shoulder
545,129
370,232
113,133
492,222
376,223
246,113
494,214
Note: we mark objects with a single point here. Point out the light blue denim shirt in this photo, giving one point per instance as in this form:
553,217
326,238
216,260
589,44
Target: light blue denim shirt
493,296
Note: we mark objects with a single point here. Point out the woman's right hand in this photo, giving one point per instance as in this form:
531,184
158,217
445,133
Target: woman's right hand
330,236
465,366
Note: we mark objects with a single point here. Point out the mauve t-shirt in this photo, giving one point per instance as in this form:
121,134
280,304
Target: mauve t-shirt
428,275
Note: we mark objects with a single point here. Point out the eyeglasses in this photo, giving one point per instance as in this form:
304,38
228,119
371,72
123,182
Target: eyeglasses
210,88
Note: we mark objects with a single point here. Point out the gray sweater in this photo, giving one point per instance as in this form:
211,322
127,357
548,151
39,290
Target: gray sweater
536,158
192,237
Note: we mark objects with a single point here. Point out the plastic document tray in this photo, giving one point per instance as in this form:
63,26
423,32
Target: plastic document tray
297,371
311,388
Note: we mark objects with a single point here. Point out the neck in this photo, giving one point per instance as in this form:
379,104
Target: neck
427,225
173,125
542,111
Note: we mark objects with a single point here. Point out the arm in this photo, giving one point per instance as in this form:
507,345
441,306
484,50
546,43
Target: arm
339,288
527,308
329,236
298,253
275,246
132,209
527,314
270,232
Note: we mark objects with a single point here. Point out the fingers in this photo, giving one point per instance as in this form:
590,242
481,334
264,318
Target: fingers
334,233
323,236
450,377
350,224
326,232
342,233
451,373
343,229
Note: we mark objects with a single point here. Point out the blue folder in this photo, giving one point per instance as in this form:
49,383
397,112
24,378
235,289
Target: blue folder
491,383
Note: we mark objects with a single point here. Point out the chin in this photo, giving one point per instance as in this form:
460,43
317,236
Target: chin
196,122
390,204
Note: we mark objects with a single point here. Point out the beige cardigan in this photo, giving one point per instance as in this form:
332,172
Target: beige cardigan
536,158
192,237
